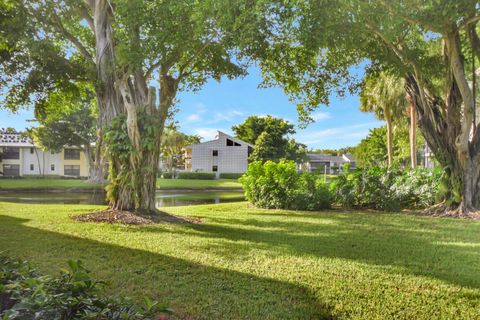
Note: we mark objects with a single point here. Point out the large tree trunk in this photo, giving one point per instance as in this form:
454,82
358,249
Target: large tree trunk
126,103
440,123
389,121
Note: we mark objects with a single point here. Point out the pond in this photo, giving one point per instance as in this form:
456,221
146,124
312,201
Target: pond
164,198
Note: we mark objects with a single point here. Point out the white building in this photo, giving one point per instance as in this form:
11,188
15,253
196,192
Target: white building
225,154
329,164
20,157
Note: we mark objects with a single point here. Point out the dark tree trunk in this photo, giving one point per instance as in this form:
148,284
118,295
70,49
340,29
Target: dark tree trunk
132,173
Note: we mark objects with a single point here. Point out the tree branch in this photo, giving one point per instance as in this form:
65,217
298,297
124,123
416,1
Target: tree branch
61,29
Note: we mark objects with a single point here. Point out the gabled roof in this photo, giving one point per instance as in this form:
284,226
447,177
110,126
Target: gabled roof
220,134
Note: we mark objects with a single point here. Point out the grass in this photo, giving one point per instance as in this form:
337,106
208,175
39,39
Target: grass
47,183
52,183
245,263
198,184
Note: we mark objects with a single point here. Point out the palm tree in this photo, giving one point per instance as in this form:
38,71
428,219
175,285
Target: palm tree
384,95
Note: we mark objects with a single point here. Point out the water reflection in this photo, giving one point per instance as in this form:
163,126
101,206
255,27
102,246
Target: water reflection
164,198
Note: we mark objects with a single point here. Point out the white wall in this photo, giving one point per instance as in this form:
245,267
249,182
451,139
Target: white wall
46,159
230,159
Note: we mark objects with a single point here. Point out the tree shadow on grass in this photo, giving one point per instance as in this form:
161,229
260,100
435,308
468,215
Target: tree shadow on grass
195,291
438,249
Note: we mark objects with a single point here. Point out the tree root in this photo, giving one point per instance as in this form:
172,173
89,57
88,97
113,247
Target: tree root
133,218
458,211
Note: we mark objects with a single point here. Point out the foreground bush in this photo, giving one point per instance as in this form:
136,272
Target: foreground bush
389,189
196,175
25,294
279,186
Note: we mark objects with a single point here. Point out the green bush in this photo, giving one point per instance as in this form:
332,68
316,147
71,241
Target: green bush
72,295
166,175
230,175
279,186
196,175
389,189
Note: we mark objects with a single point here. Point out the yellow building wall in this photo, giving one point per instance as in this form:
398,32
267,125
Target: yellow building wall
82,162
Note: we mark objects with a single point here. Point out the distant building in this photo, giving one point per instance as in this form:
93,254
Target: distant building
225,154
328,164
20,157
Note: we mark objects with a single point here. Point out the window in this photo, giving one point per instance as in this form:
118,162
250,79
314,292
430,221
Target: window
11,153
214,168
32,150
52,167
215,153
11,170
231,143
32,167
250,150
70,170
72,154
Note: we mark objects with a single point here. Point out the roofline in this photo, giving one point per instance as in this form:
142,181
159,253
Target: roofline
218,133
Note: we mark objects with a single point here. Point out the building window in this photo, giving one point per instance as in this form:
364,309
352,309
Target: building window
32,150
11,170
71,170
214,168
215,153
11,153
32,167
249,152
71,154
52,167
231,143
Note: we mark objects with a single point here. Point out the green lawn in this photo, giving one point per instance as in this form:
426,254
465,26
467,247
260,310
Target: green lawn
244,263
47,183
198,184
32,183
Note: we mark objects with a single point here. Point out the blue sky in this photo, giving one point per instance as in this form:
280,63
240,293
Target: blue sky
219,106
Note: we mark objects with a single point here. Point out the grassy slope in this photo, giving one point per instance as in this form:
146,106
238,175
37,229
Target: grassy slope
82,184
245,263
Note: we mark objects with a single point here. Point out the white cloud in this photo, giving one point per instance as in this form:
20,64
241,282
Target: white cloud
194,117
339,135
321,115
227,116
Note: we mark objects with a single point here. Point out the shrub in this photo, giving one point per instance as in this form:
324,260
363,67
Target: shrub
418,188
386,188
230,175
279,186
167,175
72,295
196,175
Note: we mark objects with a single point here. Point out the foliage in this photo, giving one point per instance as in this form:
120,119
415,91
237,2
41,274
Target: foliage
172,143
229,175
372,150
71,295
196,175
253,126
280,186
388,189
334,152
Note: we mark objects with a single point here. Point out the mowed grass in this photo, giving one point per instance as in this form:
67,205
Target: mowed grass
246,263
47,183
198,184
53,183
